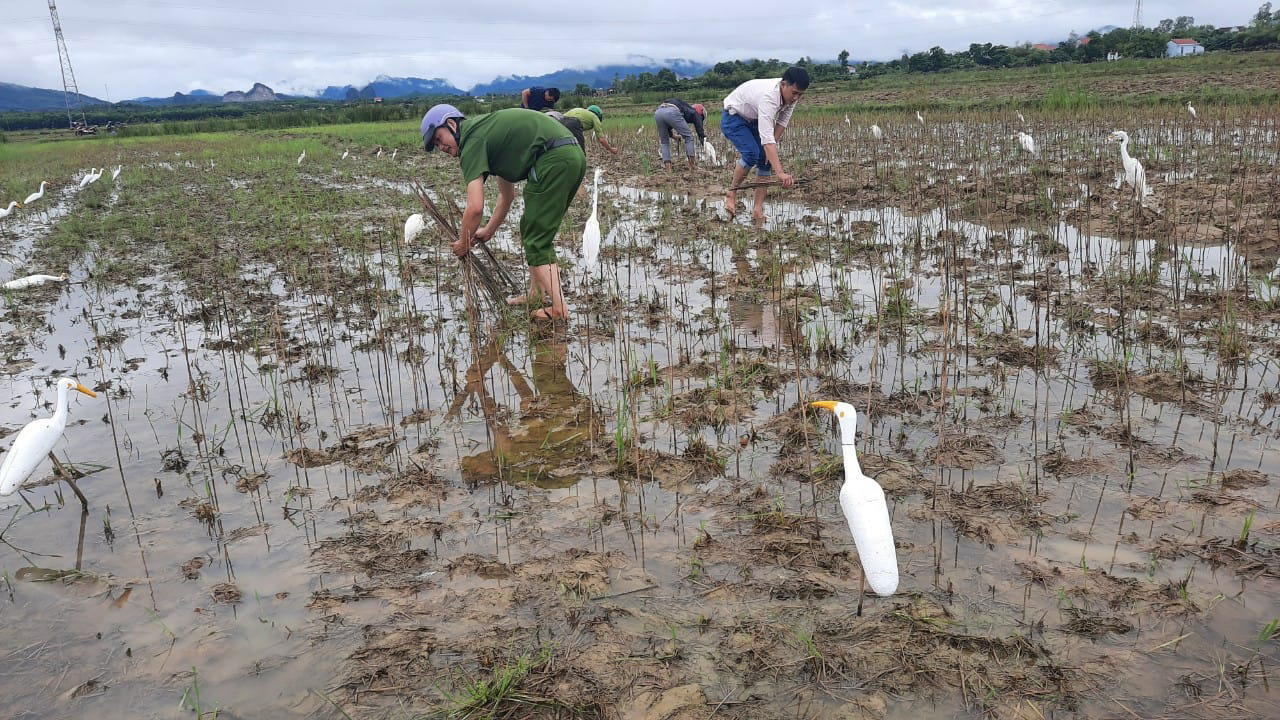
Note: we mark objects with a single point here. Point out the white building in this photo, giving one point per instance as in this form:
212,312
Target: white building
1178,47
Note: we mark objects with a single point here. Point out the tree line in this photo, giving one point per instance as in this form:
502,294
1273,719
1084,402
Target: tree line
1262,33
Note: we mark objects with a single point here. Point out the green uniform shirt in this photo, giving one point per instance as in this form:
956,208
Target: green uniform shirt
587,118
505,143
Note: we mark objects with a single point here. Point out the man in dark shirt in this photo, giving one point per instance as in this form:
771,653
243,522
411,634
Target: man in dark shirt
675,115
537,98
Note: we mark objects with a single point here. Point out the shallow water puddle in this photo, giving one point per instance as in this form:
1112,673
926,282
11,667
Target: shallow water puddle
328,488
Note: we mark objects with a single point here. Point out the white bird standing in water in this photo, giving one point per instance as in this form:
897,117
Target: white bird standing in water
1028,143
877,132
710,151
36,441
116,173
97,173
303,156
379,153
1133,172
9,210
88,177
1191,110
1022,119
36,195
23,283
344,154
862,501
847,121
412,227
919,117
393,153
591,233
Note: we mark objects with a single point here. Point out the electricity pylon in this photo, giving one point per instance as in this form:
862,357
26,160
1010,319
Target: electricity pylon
68,75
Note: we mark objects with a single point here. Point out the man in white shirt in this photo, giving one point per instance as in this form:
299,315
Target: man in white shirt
755,115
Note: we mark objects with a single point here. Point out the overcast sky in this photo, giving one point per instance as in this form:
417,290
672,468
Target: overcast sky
122,49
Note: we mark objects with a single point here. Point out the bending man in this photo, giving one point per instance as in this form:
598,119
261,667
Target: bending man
516,145
754,118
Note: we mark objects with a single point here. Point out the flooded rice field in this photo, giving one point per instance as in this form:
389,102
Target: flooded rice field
325,482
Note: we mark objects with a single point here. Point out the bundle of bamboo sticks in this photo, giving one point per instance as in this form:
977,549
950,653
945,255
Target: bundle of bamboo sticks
766,184
479,264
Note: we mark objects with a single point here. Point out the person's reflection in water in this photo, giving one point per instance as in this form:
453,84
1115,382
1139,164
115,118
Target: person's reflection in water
548,442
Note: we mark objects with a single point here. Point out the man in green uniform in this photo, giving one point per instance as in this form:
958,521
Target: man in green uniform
592,119
516,145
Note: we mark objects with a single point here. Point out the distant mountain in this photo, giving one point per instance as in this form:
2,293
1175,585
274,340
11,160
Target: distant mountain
334,92
18,98
258,93
597,77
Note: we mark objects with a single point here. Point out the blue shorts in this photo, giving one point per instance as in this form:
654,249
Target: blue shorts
745,136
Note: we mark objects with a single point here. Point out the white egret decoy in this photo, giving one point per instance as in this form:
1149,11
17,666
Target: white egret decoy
36,441
639,129
862,501
88,177
9,210
591,233
1134,175
33,280
303,156
116,173
36,195
919,117
393,153
97,173
412,227
345,153
379,153
847,121
1191,110
1022,119
876,132
710,151
1028,143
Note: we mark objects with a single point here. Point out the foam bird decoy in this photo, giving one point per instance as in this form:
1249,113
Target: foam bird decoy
1134,175
412,227
37,194
1028,143
36,441
877,132
9,210
88,177
591,233
710,151
116,173
23,283
303,156
862,501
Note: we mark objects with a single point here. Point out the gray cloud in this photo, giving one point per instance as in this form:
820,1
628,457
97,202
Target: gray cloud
132,48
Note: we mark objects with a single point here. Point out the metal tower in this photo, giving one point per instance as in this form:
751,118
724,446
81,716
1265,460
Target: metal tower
68,75
1137,13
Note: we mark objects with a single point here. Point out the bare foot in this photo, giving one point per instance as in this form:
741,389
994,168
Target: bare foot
731,203
757,216
547,315
517,300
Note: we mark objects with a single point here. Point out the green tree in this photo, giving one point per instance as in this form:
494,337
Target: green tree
583,89
1262,18
844,58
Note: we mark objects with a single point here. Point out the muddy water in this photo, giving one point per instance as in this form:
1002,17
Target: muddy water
308,496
